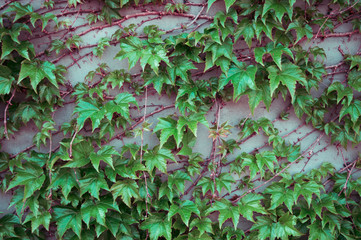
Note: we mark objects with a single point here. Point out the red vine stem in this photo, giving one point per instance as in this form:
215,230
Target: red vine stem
6,4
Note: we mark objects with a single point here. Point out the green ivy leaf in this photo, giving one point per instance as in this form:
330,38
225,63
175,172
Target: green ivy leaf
256,96
66,180
31,176
251,162
92,183
224,180
307,189
278,8
158,225
318,232
242,77
283,228
202,224
210,2
67,218
354,110
105,154
288,76
80,155
158,80
206,184
192,122
275,51
249,204
266,158
25,48
20,10
7,225
245,30
342,92
281,194
131,48
41,219
216,50
179,66
168,128
185,210
126,189
177,179
301,30
6,80
158,158
97,210
354,79
153,57
74,2
228,4
37,71
355,61
226,211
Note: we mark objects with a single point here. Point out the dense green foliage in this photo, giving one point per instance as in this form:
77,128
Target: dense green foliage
74,184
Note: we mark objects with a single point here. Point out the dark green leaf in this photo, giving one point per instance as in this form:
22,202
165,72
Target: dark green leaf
185,210
67,218
126,189
158,225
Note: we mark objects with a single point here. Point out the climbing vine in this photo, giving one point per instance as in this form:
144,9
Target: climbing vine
107,160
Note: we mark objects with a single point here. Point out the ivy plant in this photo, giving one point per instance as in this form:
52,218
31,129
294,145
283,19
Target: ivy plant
93,172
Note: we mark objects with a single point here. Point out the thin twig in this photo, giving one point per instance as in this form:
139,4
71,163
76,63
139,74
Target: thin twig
347,179
141,151
195,19
309,150
71,142
6,4
5,114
